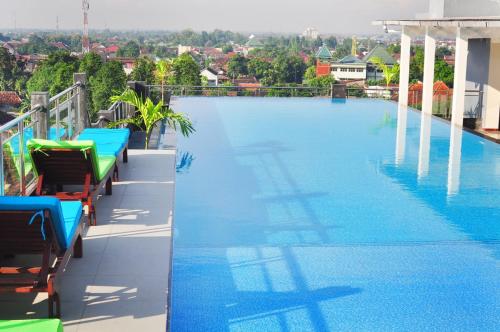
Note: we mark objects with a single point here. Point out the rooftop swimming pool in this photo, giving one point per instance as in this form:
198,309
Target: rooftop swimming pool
313,215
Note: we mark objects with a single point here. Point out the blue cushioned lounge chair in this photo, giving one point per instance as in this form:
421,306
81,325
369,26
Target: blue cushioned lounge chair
109,142
42,226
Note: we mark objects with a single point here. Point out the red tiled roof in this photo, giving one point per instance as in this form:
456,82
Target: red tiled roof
9,98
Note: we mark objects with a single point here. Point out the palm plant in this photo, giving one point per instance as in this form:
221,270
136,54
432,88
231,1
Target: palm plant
389,72
162,73
149,114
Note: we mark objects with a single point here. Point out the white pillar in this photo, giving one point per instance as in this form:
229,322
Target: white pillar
404,66
458,103
490,117
430,54
427,97
404,78
454,160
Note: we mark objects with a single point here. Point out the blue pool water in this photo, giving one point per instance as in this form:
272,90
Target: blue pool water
298,215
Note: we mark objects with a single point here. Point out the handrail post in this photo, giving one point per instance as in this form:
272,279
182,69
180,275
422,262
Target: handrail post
2,180
83,113
22,175
41,117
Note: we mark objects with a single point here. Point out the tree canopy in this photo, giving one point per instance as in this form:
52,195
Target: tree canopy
185,71
237,66
54,74
130,50
109,80
144,70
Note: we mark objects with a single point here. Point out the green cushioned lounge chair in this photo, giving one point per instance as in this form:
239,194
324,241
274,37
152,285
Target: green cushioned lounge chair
46,227
31,325
60,163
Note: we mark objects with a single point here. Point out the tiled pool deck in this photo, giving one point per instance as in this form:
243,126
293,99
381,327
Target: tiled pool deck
121,283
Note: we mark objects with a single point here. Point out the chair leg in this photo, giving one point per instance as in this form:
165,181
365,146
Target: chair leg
92,215
78,247
125,155
109,187
53,300
116,174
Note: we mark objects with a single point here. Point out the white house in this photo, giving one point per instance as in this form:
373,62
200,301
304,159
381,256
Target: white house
211,76
349,68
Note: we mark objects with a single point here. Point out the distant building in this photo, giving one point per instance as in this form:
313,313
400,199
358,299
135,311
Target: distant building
181,49
323,61
10,48
349,68
372,71
60,46
128,64
9,101
310,33
211,76
111,50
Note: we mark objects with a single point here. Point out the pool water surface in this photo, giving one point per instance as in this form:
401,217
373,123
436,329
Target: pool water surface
299,214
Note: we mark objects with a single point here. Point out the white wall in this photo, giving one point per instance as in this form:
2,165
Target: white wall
339,74
492,109
463,8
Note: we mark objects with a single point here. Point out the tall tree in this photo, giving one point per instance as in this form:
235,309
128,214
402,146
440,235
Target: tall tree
185,71
90,64
54,74
289,69
109,80
258,67
164,70
144,70
237,66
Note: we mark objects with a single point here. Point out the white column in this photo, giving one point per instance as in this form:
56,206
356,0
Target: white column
430,54
490,118
458,103
427,97
404,78
404,67
454,160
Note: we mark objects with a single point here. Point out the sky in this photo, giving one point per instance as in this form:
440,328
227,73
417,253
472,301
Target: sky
254,16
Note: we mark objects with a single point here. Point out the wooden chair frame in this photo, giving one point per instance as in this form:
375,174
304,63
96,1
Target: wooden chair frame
59,167
17,237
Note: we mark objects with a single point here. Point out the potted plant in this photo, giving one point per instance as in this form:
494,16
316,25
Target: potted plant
149,114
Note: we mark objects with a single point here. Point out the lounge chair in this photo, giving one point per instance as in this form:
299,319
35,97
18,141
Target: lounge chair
42,226
75,163
31,325
109,142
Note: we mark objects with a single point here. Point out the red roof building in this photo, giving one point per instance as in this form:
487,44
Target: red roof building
9,98
415,91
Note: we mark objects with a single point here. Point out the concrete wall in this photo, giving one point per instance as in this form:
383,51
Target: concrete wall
477,76
492,107
463,8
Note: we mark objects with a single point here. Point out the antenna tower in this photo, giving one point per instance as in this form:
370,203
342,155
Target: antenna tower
85,38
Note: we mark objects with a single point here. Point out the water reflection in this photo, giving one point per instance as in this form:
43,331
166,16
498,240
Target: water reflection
425,145
454,160
184,161
401,133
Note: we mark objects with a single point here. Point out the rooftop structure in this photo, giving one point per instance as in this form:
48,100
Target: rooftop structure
477,54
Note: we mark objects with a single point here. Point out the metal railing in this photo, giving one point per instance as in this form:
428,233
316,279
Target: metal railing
61,118
116,112
154,91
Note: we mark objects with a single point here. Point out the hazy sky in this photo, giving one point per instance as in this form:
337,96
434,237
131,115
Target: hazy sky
338,16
